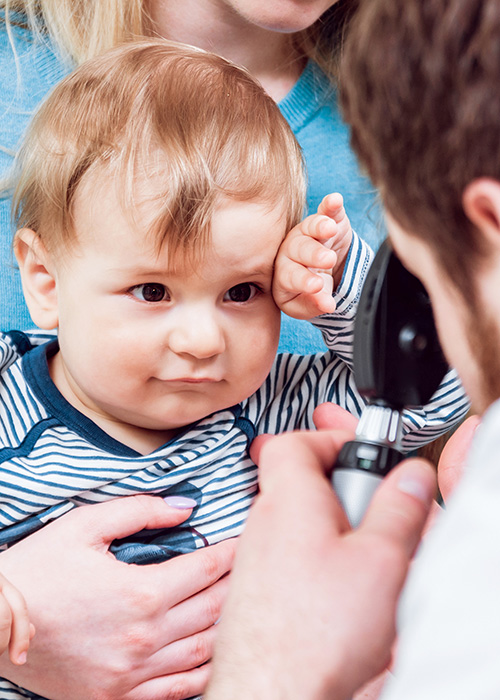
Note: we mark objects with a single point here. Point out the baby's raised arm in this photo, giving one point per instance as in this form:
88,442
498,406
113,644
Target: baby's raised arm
311,259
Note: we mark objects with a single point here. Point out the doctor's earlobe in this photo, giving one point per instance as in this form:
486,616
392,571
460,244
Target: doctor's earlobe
38,278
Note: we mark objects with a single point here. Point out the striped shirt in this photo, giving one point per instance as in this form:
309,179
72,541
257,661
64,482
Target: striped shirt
52,458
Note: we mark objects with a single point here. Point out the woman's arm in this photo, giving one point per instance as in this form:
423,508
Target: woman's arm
108,629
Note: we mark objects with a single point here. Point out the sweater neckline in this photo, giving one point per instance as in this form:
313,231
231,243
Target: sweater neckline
310,92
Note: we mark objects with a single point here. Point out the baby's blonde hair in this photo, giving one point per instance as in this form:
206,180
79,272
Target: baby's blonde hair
201,126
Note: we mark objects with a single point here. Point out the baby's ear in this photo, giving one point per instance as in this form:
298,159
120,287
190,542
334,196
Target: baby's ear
38,278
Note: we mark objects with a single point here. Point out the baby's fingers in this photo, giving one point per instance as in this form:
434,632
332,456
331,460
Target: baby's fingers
320,228
333,206
15,628
5,623
297,279
311,253
302,293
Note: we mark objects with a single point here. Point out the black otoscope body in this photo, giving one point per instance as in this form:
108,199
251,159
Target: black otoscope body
398,363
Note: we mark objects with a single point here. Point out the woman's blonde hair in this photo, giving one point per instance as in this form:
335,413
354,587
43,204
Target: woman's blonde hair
82,29
194,126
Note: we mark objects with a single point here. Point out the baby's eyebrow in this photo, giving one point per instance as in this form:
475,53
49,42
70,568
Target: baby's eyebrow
139,271
259,271
262,271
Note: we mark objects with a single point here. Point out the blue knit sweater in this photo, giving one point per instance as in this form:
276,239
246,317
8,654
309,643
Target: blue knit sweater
311,109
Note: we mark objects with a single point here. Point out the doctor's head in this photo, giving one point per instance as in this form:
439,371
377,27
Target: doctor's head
421,92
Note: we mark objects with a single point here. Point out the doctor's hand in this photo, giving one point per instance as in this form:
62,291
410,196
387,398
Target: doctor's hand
449,472
454,456
450,467
311,609
110,630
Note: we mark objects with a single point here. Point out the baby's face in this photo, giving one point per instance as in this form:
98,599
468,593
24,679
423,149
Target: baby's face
147,348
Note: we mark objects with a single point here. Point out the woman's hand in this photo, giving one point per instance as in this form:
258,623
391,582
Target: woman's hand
112,630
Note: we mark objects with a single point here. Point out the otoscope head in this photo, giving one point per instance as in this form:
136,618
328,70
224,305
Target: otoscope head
398,363
397,355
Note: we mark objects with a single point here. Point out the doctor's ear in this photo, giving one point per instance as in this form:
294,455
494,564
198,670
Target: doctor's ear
481,203
38,278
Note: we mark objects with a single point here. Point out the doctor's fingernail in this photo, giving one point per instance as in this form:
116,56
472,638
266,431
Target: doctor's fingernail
414,488
180,502
414,483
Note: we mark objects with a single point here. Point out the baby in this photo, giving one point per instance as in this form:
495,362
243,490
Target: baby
158,201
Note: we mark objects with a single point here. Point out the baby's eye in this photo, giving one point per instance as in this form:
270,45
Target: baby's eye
150,292
242,292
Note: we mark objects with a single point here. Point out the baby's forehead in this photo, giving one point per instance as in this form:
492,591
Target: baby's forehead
140,208
241,237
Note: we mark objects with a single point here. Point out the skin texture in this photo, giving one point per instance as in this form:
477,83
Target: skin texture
135,671
149,343
311,261
16,631
453,457
321,642
450,468
281,16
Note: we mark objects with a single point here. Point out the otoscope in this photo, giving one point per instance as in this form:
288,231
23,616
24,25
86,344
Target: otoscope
398,363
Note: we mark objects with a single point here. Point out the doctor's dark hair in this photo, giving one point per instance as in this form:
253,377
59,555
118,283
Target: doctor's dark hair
420,89
192,126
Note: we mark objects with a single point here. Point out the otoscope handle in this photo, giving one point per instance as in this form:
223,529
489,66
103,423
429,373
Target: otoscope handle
359,469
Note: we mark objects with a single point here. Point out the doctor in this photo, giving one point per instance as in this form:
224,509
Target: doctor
311,612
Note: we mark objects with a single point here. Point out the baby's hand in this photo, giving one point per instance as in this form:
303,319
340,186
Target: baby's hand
16,631
311,259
